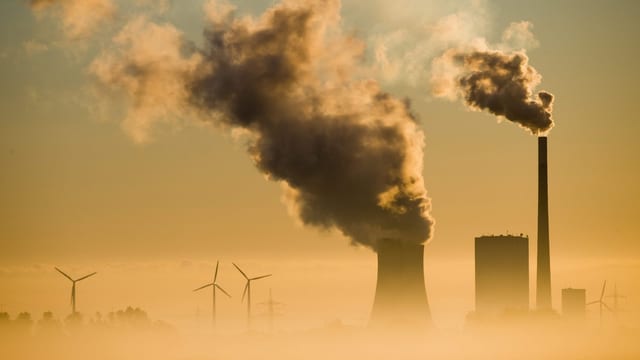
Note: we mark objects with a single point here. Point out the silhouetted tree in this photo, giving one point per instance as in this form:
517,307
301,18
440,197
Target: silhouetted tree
24,317
133,317
74,320
23,323
5,321
47,316
48,325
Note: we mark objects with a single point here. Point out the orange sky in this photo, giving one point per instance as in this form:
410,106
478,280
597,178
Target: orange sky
77,191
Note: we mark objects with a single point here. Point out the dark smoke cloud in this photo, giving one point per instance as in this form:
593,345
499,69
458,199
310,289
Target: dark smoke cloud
350,155
500,82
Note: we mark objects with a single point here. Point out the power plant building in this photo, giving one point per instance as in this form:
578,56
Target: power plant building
501,274
574,302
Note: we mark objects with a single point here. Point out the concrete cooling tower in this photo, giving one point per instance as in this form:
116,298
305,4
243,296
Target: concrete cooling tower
400,298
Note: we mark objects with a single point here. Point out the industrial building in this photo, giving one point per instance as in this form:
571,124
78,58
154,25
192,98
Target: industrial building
400,298
501,274
543,267
574,302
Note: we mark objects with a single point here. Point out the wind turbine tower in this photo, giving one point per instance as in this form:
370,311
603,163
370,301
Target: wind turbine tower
73,287
601,302
247,292
214,285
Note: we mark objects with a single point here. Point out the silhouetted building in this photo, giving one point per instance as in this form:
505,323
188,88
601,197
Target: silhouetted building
574,302
502,274
401,298
543,268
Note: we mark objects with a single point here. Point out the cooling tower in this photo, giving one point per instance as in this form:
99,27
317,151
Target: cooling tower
401,298
543,276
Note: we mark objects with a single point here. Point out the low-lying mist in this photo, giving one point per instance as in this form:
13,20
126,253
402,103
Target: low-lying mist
131,334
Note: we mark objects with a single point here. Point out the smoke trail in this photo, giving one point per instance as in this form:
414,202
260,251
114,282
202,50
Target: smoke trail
152,65
500,82
349,154
79,18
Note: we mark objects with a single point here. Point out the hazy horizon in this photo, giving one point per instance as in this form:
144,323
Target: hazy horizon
124,153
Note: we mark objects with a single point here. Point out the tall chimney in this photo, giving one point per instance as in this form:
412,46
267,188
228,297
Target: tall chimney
400,299
543,276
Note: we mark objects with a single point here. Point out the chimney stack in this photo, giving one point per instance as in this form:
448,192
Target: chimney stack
543,278
400,299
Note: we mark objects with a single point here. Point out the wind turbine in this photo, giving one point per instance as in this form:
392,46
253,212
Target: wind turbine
601,302
73,287
214,285
247,291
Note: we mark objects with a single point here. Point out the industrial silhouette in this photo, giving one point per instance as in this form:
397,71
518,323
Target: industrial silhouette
616,297
543,267
574,303
271,309
400,297
73,287
247,292
601,302
502,264
502,275
214,286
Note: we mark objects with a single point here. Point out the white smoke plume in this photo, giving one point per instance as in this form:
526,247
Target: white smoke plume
518,35
349,154
149,64
80,18
402,53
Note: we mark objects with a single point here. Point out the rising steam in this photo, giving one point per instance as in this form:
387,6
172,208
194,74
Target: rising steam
497,81
79,18
349,154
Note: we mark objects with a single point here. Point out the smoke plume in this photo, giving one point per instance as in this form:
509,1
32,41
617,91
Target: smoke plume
152,66
497,81
79,18
349,154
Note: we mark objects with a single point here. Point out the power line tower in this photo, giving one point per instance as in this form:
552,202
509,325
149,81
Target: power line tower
273,309
616,297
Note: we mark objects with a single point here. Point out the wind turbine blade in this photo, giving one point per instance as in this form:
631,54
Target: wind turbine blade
241,272
603,286
63,273
221,289
203,286
246,287
86,276
215,275
260,277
